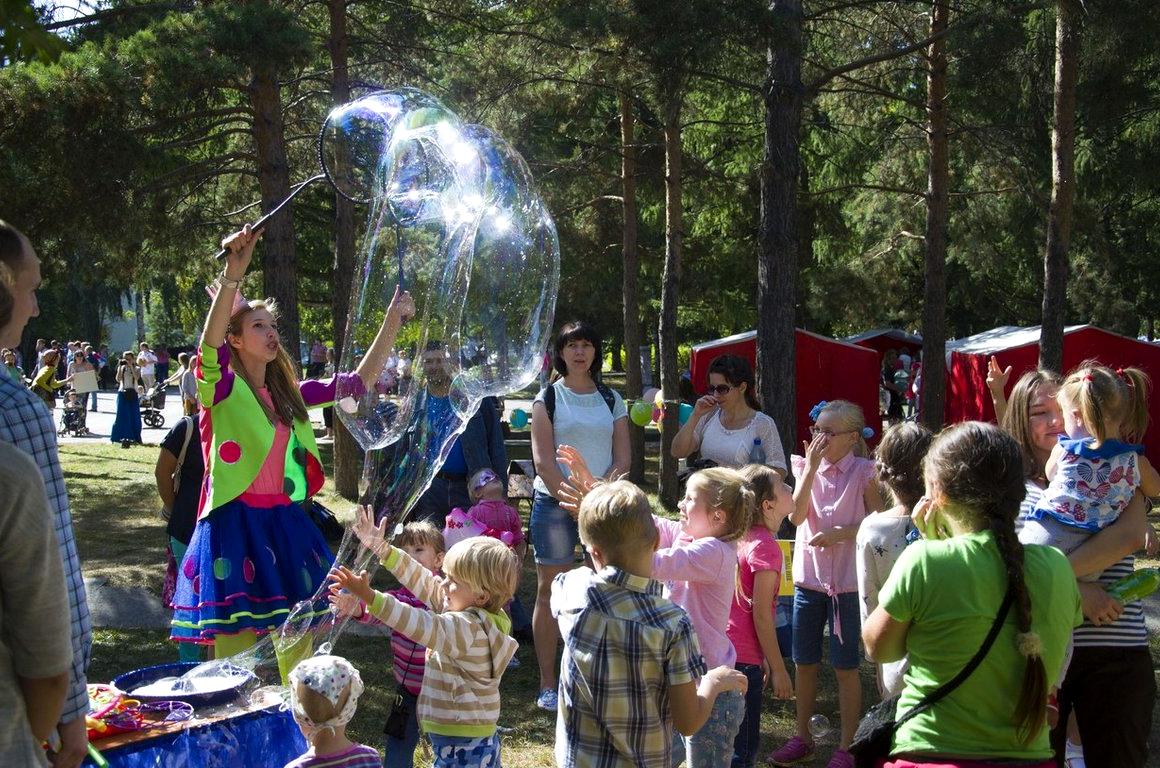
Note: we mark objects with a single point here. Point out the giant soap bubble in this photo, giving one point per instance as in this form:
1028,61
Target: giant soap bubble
454,219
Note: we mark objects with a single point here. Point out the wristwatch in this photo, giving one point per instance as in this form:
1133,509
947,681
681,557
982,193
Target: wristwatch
226,282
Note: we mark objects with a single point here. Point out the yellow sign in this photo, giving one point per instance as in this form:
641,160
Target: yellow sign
787,567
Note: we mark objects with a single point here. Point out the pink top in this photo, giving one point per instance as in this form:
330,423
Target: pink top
498,515
271,476
699,576
758,551
836,498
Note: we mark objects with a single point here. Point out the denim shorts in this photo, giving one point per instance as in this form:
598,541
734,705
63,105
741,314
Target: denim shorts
554,532
811,611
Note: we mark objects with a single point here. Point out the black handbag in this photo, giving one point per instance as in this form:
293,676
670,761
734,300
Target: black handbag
325,520
875,734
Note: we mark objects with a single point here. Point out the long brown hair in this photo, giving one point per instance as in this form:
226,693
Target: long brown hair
979,468
737,371
1017,419
281,374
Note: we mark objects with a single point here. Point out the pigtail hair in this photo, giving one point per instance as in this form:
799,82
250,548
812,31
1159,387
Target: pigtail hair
1136,413
978,466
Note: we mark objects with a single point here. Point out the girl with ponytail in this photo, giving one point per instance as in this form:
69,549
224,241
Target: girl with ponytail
254,552
943,595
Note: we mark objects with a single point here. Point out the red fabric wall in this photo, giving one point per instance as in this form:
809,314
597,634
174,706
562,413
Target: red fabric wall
826,370
968,397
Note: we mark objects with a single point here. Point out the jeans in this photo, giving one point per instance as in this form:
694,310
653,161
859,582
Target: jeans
554,532
93,400
400,751
749,733
712,745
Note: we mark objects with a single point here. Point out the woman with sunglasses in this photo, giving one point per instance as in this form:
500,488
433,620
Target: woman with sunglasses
727,422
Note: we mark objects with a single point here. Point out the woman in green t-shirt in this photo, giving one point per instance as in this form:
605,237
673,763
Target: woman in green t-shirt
942,598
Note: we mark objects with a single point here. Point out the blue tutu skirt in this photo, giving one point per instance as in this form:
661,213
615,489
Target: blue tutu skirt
127,425
245,569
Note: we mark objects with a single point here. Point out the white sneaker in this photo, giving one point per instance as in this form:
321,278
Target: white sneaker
548,699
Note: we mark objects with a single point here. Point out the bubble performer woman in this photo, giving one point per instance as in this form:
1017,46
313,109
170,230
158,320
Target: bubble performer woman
254,552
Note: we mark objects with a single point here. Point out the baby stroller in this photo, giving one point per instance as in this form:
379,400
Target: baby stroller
151,407
72,422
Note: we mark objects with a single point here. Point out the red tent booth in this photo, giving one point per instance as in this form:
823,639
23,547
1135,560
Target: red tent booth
827,369
967,395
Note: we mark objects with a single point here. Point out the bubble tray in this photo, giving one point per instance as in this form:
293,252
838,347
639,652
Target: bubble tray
138,678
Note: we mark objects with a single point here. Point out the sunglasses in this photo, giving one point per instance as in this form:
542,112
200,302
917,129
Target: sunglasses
815,431
720,389
483,479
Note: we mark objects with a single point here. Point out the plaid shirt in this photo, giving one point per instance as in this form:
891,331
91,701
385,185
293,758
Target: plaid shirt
27,424
625,646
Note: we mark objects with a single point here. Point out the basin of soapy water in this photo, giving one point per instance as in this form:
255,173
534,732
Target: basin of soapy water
168,682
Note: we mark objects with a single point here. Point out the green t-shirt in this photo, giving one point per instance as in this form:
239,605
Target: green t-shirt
950,592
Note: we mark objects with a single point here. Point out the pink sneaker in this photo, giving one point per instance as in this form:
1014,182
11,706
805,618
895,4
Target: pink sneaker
841,759
793,752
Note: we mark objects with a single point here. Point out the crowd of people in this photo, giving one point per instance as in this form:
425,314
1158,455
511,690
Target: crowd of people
654,638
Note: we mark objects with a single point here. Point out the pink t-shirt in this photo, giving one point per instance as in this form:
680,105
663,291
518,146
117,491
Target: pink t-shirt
836,498
699,576
758,551
271,477
498,514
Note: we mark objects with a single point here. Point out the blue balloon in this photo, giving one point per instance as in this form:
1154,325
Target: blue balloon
519,418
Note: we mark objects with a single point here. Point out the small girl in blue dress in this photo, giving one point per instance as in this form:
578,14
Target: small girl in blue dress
1094,471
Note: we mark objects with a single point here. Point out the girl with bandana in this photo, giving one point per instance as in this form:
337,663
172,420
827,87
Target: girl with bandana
324,693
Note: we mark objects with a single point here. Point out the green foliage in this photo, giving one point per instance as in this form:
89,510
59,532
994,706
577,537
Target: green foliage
128,156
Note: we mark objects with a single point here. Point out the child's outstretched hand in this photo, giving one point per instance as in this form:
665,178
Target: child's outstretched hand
401,308
579,482
346,604
357,584
371,535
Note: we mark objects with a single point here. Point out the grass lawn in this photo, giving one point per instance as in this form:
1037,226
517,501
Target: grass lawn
121,538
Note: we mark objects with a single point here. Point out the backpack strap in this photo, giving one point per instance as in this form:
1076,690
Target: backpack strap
549,398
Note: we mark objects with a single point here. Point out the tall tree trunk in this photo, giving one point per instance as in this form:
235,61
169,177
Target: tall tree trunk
347,456
934,329
632,334
280,261
1059,215
777,264
670,285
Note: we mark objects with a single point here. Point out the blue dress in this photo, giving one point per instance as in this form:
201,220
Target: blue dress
127,425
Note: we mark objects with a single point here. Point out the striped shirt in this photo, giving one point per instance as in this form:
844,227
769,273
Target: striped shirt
409,657
358,756
1128,631
27,424
625,646
468,652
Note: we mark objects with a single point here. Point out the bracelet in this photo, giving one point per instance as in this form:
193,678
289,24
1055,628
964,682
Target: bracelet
226,282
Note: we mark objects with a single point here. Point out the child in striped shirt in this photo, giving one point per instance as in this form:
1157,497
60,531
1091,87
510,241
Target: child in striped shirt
424,543
466,632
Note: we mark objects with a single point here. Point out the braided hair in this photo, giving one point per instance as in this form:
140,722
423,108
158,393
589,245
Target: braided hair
899,461
979,468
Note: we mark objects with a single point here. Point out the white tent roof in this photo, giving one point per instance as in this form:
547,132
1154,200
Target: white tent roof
998,339
752,336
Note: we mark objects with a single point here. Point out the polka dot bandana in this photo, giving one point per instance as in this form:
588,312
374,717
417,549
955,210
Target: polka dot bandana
328,676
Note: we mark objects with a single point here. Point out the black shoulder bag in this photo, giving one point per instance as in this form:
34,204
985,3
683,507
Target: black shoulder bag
875,734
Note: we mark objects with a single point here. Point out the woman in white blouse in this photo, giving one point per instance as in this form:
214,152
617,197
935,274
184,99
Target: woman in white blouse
727,422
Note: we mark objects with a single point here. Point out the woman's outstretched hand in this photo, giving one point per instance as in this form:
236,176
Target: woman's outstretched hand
239,249
401,308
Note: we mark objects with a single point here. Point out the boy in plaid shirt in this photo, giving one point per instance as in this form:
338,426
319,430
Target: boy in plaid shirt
632,668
